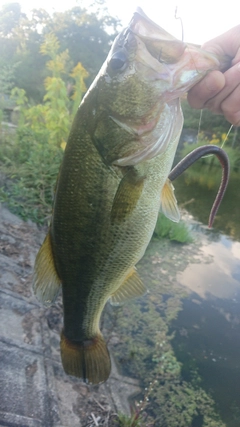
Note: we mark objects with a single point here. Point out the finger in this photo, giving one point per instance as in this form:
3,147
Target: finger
231,107
232,81
237,57
207,88
227,43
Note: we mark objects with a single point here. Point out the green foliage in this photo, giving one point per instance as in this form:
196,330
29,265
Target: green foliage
209,121
165,228
59,61
31,165
20,40
10,16
181,404
207,170
32,159
214,126
129,421
19,97
6,78
35,117
79,74
85,34
57,117
201,182
54,115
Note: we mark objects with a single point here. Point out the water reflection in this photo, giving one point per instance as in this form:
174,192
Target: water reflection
211,343
201,196
219,272
207,331
236,250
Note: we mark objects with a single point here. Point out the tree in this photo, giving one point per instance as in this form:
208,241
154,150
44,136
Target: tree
9,18
79,74
53,117
87,36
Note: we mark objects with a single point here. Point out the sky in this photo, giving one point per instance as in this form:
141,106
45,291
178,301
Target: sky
202,19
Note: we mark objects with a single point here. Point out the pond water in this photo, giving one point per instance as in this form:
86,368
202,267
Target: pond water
207,330
182,340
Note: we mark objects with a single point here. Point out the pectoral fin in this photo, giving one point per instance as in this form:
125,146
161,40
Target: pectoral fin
46,283
169,205
127,196
132,287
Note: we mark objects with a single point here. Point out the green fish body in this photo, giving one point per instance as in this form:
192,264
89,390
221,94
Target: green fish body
112,184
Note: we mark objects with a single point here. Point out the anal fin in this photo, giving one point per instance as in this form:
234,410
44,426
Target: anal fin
169,205
46,283
132,287
88,360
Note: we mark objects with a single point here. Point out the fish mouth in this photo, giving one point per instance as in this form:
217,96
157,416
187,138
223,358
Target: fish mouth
180,64
160,44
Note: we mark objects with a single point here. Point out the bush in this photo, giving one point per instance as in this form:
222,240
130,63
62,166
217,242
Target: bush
30,165
178,232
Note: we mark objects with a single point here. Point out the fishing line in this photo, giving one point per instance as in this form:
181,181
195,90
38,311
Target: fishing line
226,137
201,112
179,17
223,143
199,125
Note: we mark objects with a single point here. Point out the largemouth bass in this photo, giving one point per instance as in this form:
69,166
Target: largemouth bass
112,183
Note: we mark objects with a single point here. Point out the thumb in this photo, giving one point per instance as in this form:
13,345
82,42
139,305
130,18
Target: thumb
207,88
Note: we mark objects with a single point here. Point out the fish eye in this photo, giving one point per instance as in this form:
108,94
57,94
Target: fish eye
118,61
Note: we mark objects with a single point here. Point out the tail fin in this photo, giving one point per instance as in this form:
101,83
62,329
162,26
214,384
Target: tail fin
88,360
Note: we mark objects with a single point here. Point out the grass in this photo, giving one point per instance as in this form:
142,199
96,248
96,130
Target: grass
178,232
129,421
30,167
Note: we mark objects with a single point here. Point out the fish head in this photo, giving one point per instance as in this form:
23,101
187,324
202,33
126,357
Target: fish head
138,90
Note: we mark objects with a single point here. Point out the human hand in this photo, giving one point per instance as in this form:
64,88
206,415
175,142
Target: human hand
217,91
